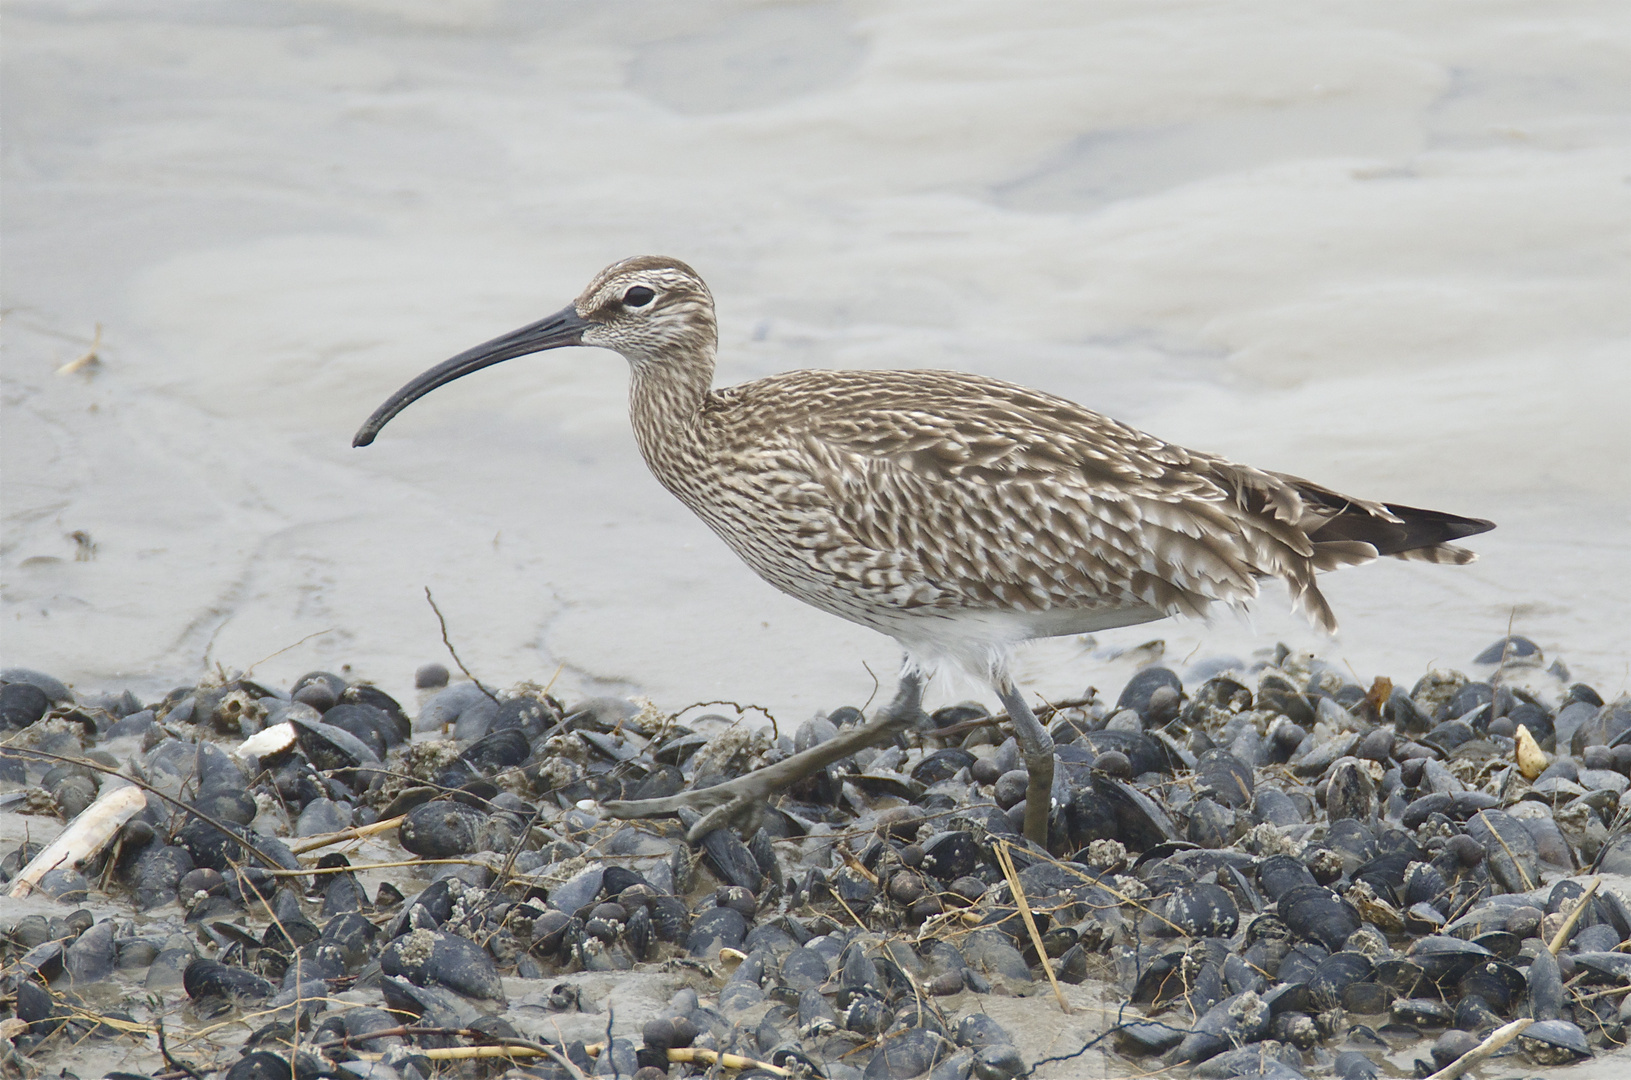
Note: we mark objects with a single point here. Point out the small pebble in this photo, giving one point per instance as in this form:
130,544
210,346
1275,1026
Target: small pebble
1597,757
906,887
1163,706
1010,788
1411,771
658,1034
1465,848
925,907
737,898
1126,720
1523,922
685,1031
22,705
1376,746
319,695
1451,1045
1115,764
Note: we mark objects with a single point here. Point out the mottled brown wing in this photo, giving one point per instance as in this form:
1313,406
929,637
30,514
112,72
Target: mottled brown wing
1009,498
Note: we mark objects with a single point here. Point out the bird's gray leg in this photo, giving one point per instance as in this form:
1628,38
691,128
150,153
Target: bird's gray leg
1037,747
724,802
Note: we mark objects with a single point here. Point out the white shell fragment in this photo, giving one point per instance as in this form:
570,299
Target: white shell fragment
85,836
1532,760
267,741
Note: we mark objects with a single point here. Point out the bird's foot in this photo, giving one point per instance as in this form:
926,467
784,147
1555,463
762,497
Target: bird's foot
724,803
720,817
702,800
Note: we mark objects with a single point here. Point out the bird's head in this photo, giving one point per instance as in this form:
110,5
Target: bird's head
648,308
652,309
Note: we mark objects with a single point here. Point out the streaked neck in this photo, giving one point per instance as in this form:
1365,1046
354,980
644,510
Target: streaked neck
666,395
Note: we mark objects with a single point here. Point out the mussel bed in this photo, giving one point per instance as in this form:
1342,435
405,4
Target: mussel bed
1256,869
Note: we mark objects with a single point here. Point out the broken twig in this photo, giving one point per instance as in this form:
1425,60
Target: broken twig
1478,1054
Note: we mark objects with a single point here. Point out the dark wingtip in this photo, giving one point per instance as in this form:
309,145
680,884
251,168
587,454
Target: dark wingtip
1451,526
1474,526
1416,529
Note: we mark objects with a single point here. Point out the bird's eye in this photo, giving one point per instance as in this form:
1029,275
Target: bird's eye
639,296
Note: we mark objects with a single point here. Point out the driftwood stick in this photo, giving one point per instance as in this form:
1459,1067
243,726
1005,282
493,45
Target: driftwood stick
96,766
357,832
1484,1050
1561,938
698,1056
89,832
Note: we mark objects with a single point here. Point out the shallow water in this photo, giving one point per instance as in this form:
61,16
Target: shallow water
1384,249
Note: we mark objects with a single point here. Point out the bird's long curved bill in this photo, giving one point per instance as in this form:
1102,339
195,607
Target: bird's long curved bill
563,328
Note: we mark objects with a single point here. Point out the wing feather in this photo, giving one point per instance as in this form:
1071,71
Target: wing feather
964,492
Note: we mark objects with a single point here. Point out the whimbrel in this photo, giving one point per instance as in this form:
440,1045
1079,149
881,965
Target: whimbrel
958,514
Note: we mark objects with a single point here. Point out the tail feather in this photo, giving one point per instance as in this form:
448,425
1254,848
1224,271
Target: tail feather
1335,530
1335,554
1406,532
1439,553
